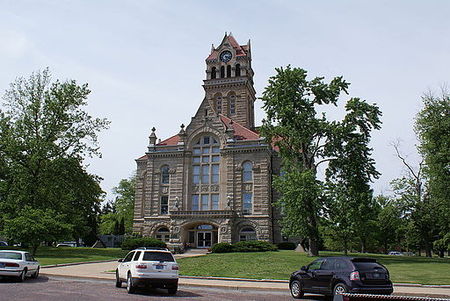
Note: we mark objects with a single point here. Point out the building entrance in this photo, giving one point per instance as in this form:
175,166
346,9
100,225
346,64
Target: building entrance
204,239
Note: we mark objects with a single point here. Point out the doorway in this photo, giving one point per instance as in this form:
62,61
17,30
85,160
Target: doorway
204,239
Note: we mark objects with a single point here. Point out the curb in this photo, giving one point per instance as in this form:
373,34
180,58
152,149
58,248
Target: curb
74,263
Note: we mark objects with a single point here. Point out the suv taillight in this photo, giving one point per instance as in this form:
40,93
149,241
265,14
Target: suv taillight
354,275
141,266
175,267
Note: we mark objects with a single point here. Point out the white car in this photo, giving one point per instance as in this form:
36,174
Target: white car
18,264
154,267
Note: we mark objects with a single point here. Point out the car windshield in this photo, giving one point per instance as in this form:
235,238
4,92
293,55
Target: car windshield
158,256
11,255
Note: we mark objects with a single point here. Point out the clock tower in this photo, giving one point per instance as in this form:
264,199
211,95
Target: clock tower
229,81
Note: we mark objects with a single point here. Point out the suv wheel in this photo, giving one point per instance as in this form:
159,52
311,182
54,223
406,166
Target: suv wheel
340,288
172,290
118,282
296,289
130,287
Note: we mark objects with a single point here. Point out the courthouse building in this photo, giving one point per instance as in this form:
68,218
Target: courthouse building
212,181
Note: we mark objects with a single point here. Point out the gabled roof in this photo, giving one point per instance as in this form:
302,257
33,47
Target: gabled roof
170,141
241,50
240,131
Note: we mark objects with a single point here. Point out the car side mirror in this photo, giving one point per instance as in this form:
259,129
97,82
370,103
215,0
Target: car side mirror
120,260
304,268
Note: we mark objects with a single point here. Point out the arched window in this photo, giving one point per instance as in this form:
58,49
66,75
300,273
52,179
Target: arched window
222,71
232,104
219,104
213,72
165,174
247,172
228,71
205,170
237,71
163,234
247,233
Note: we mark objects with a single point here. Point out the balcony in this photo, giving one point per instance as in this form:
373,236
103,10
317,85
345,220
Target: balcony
202,213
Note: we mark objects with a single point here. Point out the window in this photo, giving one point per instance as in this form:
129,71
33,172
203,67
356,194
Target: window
315,265
222,72
213,72
129,256
205,170
232,104
195,205
158,256
247,207
219,104
247,233
237,70
228,71
163,234
165,174
247,172
136,256
164,204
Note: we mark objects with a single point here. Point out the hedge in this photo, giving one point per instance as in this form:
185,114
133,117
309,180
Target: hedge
244,246
133,243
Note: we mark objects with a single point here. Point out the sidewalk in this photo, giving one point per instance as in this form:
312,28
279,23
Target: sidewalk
100,271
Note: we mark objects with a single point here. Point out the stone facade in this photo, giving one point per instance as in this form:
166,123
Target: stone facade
212,181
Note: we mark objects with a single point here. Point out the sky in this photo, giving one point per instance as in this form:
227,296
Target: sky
145,61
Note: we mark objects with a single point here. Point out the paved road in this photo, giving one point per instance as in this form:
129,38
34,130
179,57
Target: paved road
65,289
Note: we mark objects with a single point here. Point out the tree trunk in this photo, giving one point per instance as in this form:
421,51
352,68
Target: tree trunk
427,250
313,247
34,249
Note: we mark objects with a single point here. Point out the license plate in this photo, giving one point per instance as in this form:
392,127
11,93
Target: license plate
376,275
159,267
2,265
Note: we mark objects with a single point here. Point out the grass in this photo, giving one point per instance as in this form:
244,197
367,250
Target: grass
279,265
51,255
264,265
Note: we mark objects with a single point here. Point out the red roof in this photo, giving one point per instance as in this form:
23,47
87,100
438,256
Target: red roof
240,131
170,141
241,50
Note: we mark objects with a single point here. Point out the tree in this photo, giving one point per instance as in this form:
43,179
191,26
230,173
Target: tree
36,225
44,137
433,130
306,139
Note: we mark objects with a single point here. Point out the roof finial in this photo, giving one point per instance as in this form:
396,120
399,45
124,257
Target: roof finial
231,34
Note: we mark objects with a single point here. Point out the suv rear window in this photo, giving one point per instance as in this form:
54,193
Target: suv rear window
158,256
366,265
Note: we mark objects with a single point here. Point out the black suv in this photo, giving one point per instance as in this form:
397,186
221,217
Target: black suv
335,275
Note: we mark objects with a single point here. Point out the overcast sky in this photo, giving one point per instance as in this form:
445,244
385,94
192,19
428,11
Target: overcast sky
145,60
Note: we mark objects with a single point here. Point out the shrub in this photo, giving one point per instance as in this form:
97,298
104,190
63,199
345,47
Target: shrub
254,246
133,243
286,246
222,247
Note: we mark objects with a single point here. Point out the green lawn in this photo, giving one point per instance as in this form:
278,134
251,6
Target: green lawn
279,265
51,255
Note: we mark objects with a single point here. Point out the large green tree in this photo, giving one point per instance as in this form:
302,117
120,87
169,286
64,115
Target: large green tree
306,138
45,134
433,130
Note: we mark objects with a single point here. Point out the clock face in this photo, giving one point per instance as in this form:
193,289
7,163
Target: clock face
225,56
